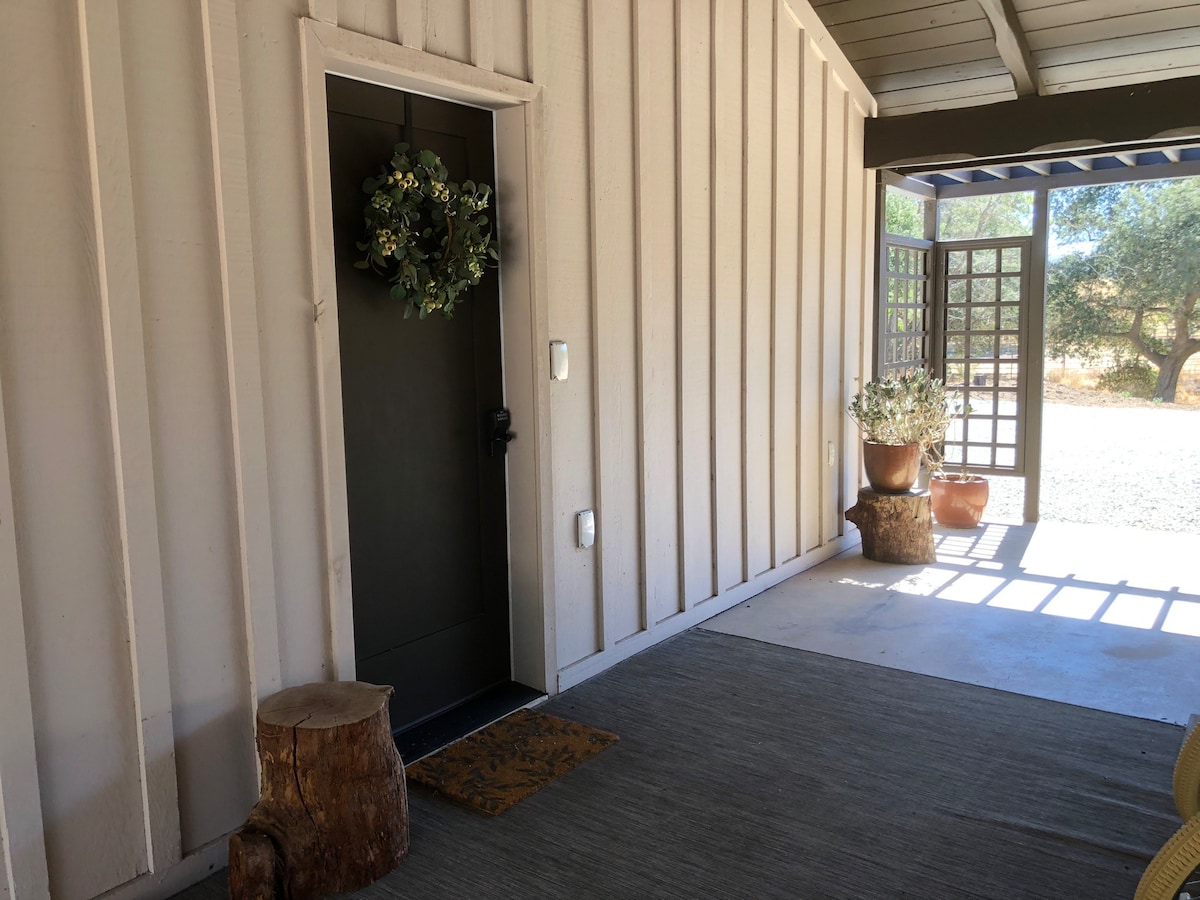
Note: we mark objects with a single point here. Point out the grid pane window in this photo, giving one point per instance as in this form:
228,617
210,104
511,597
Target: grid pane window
904,343
983,290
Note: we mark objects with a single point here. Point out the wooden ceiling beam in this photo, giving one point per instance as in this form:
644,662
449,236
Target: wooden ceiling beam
1081,120
1012,46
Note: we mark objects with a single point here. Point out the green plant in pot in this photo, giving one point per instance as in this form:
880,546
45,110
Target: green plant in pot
901,418
958,499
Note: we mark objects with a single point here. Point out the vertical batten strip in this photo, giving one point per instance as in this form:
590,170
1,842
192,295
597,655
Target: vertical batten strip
833,301
714,529
323,11
822,265
681,534
680,489
129,410
866,322
785,289
728,289
757,223
239,301
23,869
852,142
802,126
642,289
535,40
483,47
410,23
744,288
812,238
772,392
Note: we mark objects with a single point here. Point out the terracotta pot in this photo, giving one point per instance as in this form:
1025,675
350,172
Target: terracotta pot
958,501
891,468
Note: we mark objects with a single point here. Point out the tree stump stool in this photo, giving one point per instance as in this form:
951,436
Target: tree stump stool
333,815
896,528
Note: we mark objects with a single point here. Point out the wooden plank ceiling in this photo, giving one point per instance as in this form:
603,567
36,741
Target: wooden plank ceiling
920,55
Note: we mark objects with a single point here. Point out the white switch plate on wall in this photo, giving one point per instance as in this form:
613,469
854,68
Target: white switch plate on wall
558,361
587,528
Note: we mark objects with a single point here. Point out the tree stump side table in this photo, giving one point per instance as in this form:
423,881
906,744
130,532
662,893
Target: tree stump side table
896,528
333,815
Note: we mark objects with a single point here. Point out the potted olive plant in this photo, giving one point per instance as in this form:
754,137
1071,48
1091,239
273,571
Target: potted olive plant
958,499
901,418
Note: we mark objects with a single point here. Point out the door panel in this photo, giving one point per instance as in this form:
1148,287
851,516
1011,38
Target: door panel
426,502
982,323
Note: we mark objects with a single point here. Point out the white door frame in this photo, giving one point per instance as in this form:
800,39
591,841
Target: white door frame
517,105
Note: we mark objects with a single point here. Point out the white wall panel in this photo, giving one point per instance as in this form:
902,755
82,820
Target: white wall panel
270,61
696,266
758,217
658,317
728,284
614,324
57,414
812,187
448,29
785,437
185,344
564,38
705,252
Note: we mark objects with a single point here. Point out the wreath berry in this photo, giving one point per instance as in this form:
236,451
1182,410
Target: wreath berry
424,233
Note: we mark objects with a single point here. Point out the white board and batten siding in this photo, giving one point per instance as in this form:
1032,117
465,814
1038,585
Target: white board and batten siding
163,524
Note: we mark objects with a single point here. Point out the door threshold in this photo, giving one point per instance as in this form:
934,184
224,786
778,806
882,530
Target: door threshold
480,711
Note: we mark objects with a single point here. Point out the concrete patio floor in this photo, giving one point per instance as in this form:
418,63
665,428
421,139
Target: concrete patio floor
1101,617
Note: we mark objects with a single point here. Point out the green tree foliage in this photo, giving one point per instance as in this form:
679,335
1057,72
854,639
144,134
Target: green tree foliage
904,214
989,216
1136,290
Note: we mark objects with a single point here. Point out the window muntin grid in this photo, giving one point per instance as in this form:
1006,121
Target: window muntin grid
904,319
984,296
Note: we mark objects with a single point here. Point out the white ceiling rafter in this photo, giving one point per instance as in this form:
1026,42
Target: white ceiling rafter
1013,46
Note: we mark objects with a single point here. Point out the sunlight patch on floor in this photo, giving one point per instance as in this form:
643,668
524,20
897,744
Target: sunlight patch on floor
1133,611
1075,603
1183,618
1022,595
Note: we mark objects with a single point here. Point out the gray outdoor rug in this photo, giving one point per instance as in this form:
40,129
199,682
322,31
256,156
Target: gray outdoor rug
750,770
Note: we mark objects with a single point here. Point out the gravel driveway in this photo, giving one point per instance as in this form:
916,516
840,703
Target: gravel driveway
1117,466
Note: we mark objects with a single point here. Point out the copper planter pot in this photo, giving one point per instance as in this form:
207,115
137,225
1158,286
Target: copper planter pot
958,501
891,468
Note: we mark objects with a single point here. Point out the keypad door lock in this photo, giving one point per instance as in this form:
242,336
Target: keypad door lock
499,437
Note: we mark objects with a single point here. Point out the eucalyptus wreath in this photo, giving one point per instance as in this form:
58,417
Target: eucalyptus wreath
424,233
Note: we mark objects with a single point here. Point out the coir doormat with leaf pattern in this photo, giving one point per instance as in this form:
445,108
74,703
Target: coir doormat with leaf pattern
501,765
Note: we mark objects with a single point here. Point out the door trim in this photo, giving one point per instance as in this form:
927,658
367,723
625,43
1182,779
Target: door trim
521,222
